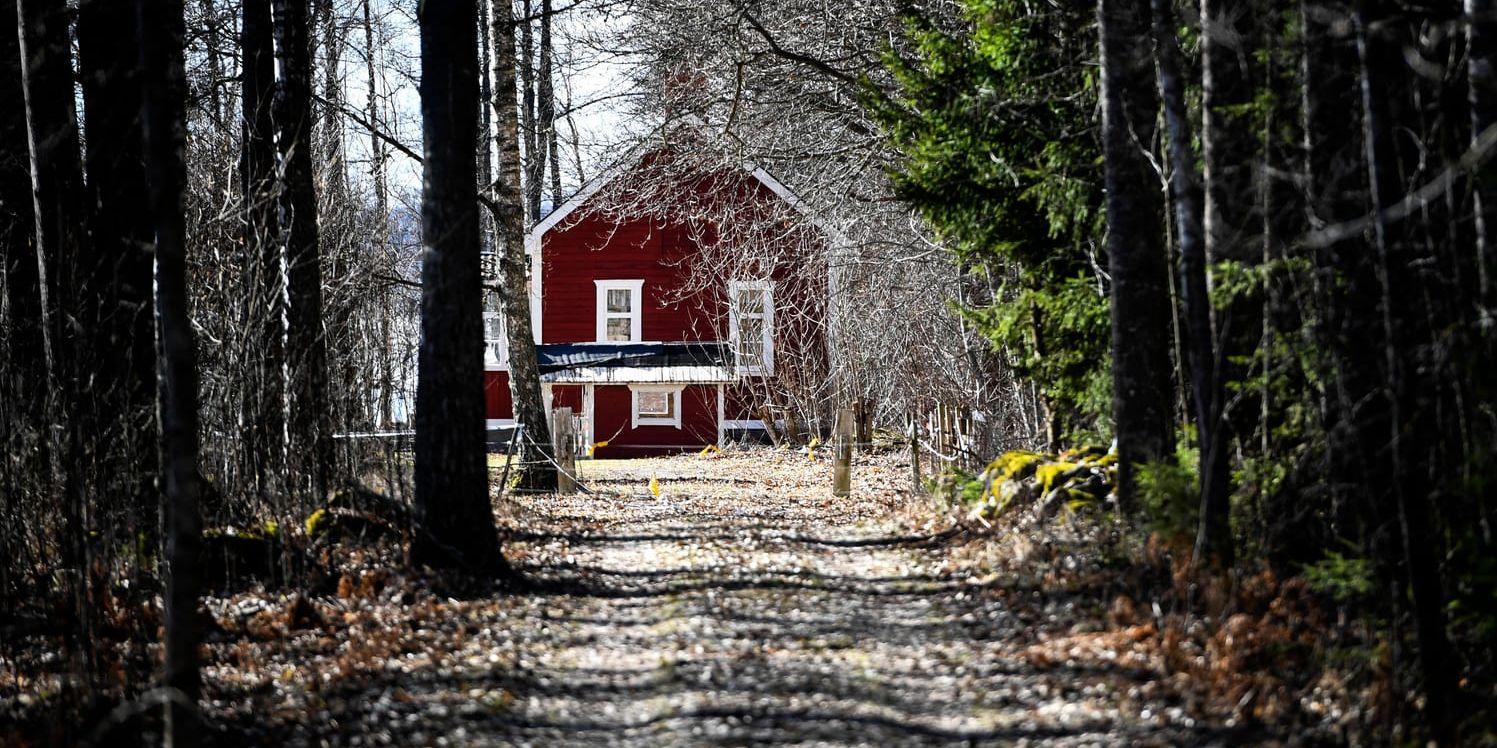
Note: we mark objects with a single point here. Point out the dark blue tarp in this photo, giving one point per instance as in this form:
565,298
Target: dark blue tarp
559,357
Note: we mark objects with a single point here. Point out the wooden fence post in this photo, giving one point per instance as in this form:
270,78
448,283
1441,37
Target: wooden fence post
915,451
565,437
842,459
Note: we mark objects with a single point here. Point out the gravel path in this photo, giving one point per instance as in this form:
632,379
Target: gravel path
752,607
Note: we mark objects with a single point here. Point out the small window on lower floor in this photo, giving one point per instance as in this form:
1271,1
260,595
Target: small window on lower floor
656,405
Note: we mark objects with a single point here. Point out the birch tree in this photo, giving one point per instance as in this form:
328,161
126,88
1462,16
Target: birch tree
537,460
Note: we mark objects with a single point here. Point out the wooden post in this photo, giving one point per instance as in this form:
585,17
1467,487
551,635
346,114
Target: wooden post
948,429
915,451
842,457
964,437
565,442
938,435
509,455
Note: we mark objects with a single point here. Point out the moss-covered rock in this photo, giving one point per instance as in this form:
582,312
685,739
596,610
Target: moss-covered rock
1015,465
1075,478
338,525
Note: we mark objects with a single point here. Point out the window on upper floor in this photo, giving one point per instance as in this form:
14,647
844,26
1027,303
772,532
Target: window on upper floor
619,306
751,326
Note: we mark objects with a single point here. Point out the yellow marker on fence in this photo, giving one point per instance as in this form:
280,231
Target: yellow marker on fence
655,486
595,447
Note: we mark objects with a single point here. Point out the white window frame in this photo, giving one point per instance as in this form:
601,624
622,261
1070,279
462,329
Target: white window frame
636,308
636,420
766,367
498,346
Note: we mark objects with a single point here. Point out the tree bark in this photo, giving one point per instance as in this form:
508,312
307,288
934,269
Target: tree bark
266,303
537,459
1381,40
534,155
333,162
1481,67
161,41
1141,400
376,145
455,520
306,339
115,303
24,387
1349,320
58,210
546,116
382,217
1185,188
1229,153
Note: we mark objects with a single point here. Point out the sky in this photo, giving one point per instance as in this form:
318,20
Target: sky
595,81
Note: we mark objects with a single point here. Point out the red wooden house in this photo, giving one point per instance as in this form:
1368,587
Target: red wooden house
649,366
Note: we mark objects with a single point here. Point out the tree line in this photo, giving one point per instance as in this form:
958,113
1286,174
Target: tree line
1246,241
1294,292
205,308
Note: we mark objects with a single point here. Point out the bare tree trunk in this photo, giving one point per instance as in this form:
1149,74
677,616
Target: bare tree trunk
1381,41
117,276
306,339
538,467
382,215
534,155
333,162
1185,187
58,205
371,112
545,117
485,144
1227,144
456,522
215,64
1481,66
161,39
1348,287
1141,400
266,406
23,390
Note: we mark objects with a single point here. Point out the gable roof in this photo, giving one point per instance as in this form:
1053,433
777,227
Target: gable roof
597,183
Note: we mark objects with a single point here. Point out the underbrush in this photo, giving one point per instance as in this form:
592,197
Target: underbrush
1254,649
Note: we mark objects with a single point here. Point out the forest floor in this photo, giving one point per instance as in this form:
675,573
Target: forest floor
745,604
